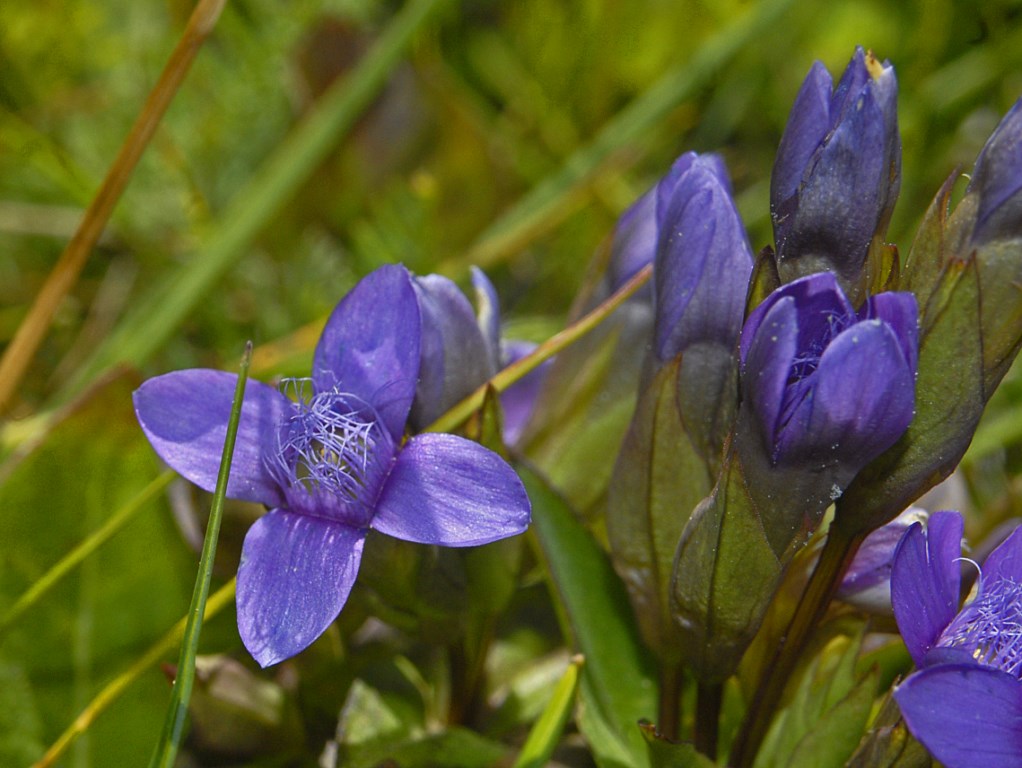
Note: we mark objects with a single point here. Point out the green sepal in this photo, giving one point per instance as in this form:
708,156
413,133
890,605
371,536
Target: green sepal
658,480
888,744
764,279
950,396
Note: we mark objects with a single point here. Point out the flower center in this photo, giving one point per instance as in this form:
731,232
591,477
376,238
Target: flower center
331,455
990,628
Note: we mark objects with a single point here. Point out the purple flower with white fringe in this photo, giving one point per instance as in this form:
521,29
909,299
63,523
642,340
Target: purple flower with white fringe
331,465
965,702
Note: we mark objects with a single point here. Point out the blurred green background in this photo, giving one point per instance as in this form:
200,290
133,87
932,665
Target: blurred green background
509,134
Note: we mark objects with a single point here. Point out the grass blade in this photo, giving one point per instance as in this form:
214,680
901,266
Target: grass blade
166,750
21,350
154,318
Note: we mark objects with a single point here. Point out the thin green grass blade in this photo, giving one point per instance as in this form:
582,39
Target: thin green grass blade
554,197
69,562
166,750
155,317
222,598
547,730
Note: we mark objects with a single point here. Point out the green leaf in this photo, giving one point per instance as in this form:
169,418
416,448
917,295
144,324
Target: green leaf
617,678
546,733
453,748
668,754
827,714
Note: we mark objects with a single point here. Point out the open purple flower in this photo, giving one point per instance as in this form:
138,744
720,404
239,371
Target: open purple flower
838,169
965,702
703,258
331,465
828,385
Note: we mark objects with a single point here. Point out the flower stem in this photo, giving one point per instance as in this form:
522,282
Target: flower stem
669,705
708,701
837,554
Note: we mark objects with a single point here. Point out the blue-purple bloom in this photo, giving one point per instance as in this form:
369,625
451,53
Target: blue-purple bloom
838,169
331,465
828,385
703,258
965,702
867,582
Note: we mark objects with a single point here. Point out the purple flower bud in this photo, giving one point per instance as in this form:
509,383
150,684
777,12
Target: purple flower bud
635,239
838,170
828,386
703,258
997,179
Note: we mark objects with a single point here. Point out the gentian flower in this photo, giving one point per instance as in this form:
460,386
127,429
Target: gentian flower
635,239
997,182
965,702
703,258
331,465
828,385
838,170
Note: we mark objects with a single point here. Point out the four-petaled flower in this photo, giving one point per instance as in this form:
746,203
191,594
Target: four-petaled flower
826,384
332,465
965,702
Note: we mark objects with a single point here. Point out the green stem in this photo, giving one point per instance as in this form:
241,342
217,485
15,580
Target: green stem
669,705
708,701
837,554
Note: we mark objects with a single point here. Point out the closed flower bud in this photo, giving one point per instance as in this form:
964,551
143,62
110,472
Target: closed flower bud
837,172
703,258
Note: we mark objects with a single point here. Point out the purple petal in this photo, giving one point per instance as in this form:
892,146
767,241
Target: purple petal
518,401
867,583
450,491
966,715
997,178
635,237
925,581
184,415
1005,562
807,126
455,357
901,312
487,313
703,263
370,345
767,354
295,575
819,301
845,190
862,401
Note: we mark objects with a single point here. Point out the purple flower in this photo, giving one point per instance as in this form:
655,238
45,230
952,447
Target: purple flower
827,385
965,702
331,465
634,242
867,583
703,259
838,169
